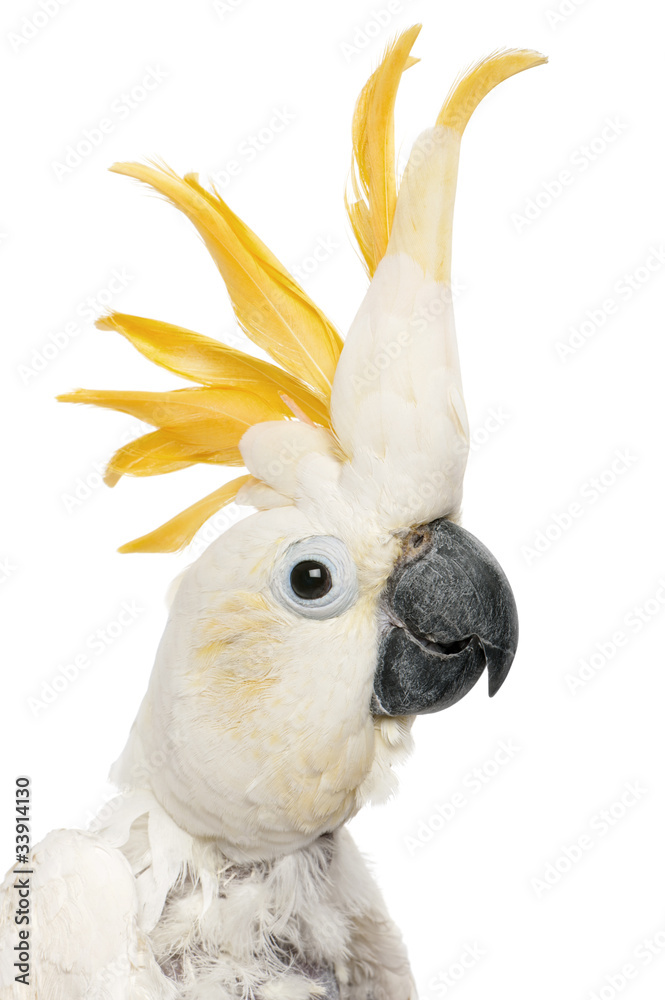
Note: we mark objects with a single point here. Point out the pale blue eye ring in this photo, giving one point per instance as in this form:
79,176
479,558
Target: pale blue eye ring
316,577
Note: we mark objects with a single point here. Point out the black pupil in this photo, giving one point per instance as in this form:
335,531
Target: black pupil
310,579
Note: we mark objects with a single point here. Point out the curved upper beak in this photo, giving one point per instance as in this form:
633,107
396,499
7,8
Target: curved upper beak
450,614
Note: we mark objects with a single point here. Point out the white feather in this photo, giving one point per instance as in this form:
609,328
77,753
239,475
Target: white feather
85,936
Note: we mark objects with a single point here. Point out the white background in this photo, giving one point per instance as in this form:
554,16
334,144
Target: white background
525,282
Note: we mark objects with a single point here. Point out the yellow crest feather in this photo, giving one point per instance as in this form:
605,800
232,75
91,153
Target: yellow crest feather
373,179
213,420
179,531
469,89
269,304
233,390
206,423
201,359
154,454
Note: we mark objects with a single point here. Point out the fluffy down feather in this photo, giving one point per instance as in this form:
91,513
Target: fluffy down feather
141,911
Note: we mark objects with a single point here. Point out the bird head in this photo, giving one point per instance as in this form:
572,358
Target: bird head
304,641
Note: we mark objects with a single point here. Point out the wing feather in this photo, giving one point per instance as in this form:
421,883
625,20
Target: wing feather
84,933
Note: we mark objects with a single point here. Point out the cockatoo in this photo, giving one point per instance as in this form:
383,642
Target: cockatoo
302,644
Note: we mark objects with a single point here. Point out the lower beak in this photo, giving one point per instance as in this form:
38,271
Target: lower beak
451,613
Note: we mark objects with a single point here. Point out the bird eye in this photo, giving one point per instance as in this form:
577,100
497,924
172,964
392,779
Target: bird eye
316,577
310,580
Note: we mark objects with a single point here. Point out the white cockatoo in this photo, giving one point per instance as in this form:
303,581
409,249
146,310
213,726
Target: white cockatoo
303,642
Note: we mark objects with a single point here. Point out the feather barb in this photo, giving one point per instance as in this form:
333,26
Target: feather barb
373,179
210,420
271,307
201,359
153,454
468,90
179,531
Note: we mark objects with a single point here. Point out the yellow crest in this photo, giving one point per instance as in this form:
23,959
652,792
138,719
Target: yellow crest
233,391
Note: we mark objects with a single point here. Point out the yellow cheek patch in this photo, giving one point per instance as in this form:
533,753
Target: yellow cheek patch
235,621
227,685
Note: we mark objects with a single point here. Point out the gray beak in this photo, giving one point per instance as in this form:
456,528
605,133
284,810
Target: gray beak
450,614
